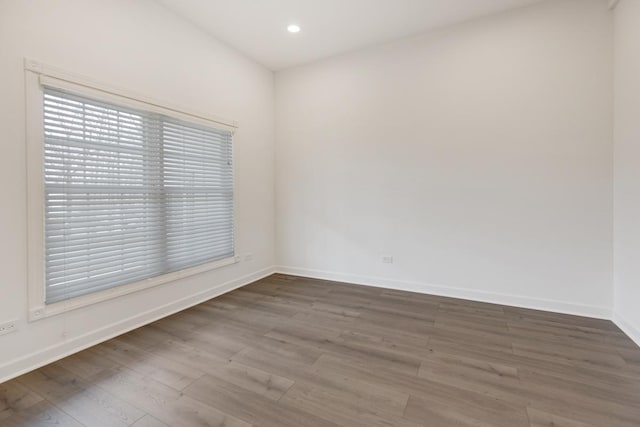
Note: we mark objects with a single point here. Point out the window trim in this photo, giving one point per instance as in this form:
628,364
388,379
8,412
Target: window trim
37,74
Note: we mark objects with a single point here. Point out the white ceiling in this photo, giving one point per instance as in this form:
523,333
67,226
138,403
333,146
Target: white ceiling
329,27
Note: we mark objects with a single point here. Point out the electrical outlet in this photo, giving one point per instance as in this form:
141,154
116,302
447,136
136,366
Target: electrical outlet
248,257
387,259
8,327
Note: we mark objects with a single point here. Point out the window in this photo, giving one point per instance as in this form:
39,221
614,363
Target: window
129,194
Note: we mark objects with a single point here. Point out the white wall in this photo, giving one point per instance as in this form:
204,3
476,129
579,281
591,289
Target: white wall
479,157
627,167
138,46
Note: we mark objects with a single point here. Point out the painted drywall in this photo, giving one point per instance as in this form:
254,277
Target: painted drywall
479,157
627,167
141,47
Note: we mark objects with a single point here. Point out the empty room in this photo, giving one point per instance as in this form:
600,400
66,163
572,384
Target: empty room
304,213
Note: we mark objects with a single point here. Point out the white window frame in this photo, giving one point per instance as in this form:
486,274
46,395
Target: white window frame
37,74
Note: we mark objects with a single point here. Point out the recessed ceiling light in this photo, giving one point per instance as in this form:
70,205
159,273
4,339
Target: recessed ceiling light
293,28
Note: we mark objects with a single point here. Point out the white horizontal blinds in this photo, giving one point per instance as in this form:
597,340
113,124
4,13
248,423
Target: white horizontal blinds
198,184
129,195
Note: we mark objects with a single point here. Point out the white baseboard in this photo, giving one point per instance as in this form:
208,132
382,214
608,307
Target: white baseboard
467,294
627,327
48,355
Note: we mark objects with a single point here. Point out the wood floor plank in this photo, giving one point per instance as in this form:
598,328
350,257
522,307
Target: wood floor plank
119,351
53,382
15,397
582,403
418,323
87,363
163,402
560,319
630,355
563,370
345,410
287,348
442,413
255,380
263,359
149,336
423,388
167,371
251,407
387,333
99,408
443,338
149,421
187,355
539,418
353,297
354,401
554,332
566,353
376,355
221,341
148,395
609,394
42,414
489,311
472,322
397,344
491,379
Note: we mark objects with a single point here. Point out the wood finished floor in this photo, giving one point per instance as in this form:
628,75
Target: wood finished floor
294,352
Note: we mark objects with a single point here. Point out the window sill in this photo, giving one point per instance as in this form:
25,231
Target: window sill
48,310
